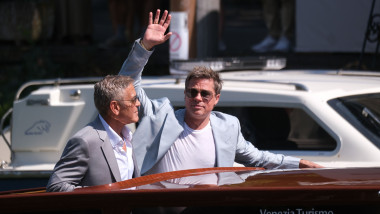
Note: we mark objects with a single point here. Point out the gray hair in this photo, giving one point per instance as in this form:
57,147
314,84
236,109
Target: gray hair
108,89
202,72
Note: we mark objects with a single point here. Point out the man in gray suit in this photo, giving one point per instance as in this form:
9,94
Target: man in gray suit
194,137
101,152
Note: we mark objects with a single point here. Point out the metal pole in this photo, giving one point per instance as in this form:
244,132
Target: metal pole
366,33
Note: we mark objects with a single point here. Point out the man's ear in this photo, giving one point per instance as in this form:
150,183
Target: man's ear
115,108
217,99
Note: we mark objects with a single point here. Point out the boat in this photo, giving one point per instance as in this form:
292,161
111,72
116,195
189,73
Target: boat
330,117
215,190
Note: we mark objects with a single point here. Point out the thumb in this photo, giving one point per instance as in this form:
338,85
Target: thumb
167,36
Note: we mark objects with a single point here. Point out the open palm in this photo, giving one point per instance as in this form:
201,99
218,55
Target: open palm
155,32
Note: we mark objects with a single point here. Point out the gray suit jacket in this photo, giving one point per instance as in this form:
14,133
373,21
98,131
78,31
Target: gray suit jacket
160,126
87,160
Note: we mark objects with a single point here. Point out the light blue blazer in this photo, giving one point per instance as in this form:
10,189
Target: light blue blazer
160,126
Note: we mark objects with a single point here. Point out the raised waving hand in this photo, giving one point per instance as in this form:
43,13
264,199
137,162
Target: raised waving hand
155,32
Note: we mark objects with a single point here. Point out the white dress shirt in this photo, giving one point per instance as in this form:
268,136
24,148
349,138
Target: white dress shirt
124,158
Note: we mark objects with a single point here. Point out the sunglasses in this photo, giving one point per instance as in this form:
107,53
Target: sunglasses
192,93
133,100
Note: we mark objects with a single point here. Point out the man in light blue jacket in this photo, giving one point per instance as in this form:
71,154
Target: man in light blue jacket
194,137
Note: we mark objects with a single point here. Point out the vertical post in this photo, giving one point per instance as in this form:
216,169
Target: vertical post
366,35
207,28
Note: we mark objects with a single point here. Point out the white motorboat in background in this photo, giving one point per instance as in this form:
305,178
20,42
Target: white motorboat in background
330,117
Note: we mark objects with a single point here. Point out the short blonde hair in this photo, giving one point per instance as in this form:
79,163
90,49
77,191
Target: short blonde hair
202,72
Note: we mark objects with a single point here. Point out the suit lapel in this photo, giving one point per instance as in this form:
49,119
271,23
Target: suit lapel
111,159
107,150
172,128
136,171
220,130
154,137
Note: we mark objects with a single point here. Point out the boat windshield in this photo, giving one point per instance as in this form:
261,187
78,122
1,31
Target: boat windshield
363,112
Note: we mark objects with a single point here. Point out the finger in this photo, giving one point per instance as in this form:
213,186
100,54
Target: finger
150,18
157,17
167,36
167,21
163,17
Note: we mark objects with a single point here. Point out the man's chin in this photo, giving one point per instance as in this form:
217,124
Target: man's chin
197,113
134,120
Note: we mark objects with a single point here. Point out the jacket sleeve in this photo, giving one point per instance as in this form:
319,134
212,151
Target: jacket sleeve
153,114
133,66
135,62
71,168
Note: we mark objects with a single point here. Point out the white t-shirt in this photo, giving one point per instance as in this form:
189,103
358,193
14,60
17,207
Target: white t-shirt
193,149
